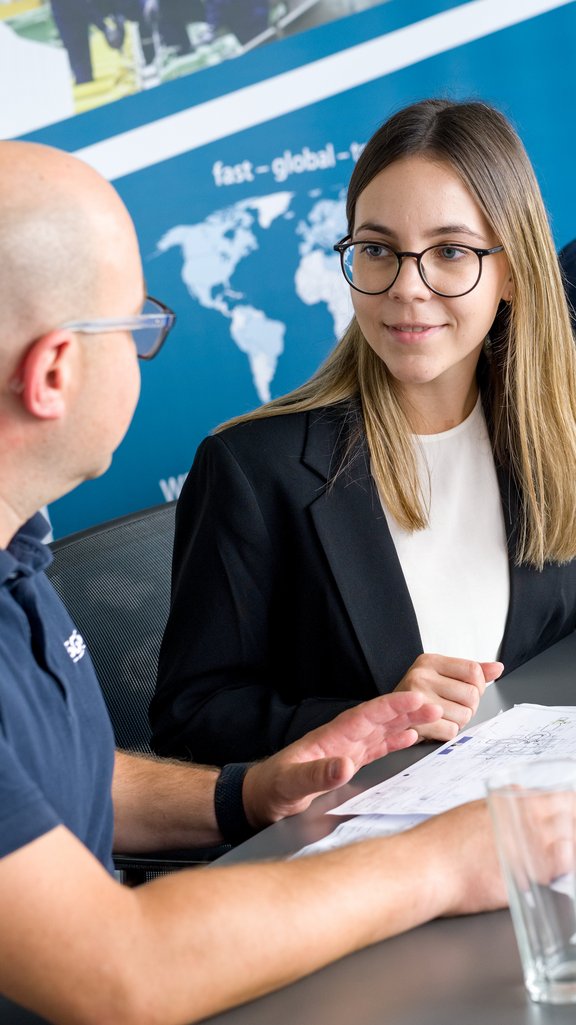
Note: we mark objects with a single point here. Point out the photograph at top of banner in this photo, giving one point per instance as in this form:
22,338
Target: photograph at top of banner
93,52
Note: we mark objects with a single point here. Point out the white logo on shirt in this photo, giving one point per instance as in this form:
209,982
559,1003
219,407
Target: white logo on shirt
75,646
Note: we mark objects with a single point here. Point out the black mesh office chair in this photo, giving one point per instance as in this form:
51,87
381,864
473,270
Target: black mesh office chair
114,579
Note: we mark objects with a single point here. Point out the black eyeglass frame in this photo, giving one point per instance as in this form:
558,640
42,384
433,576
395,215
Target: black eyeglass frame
346,242
163,320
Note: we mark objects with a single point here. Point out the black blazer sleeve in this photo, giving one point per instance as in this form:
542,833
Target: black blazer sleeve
224,691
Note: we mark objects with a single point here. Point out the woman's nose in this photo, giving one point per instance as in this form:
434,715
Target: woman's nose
409,283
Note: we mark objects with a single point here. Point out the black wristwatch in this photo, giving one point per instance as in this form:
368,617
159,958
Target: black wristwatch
228,803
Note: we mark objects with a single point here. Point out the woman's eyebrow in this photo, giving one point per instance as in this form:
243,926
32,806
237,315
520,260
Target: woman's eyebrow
432,233
374,226
454,229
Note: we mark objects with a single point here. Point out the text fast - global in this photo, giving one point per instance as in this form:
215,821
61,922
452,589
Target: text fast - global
281,167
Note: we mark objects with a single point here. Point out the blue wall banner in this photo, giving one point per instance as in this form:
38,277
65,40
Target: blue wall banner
236,180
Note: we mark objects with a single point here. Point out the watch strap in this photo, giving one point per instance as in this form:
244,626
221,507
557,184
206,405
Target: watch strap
228,803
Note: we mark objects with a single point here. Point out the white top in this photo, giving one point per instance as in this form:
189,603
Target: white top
456,569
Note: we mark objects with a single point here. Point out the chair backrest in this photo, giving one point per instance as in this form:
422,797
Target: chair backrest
114,579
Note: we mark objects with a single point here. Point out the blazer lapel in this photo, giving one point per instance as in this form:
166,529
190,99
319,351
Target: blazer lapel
351,526
353,532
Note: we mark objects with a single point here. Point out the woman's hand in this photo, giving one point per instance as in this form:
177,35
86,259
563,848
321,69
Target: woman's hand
457,684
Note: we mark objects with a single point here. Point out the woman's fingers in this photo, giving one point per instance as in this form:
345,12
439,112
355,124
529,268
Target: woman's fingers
456,684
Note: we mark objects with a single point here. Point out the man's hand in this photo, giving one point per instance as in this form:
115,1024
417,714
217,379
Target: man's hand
461,863
329,756
456,684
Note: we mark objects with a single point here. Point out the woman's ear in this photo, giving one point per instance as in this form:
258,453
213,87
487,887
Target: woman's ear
44,375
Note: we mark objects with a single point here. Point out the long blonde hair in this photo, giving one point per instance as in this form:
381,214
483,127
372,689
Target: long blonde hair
530,389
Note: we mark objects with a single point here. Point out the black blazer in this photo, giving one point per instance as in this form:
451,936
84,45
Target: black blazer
289,602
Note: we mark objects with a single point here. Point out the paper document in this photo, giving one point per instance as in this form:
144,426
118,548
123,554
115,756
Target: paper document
456,772
362,828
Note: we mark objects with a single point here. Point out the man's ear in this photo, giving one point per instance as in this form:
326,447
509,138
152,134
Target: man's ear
44,375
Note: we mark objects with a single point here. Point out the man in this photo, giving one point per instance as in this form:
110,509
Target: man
74,944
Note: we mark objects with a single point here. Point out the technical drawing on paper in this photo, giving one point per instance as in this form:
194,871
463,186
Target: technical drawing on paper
456,772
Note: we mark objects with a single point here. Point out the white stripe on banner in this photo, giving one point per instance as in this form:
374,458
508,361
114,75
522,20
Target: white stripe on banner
292,90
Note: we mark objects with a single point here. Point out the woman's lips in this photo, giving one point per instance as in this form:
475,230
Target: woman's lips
413,333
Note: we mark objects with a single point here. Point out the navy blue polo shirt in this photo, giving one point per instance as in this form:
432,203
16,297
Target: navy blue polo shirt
56,741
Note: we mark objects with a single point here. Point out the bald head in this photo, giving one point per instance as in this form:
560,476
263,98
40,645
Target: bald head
63,233
68,251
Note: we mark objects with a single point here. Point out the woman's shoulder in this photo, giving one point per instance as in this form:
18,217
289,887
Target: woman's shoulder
288,428
282,450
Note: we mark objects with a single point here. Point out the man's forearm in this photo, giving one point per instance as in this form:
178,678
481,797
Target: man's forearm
195,943
263,926
161,804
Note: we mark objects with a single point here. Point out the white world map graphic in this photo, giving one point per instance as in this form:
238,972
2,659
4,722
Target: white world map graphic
213,249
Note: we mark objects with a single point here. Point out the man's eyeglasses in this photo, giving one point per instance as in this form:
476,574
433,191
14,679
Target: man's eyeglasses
149,328
450,270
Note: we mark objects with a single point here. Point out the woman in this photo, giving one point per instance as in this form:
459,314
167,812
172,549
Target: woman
405,520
